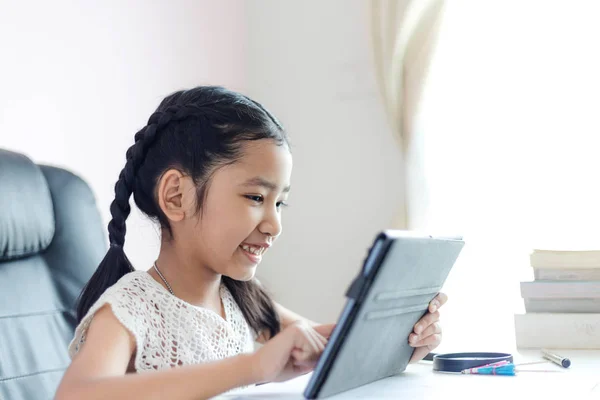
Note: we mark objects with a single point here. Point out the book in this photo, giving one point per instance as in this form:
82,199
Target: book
566,274
564,259
557,330
560,289
534,305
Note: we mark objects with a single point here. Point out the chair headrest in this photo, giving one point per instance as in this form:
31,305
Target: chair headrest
26,210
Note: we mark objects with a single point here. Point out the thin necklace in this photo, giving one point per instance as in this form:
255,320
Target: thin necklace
163,279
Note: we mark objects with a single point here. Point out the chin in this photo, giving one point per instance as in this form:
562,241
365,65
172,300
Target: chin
242,275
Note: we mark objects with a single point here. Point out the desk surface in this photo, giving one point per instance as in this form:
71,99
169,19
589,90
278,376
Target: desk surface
419,381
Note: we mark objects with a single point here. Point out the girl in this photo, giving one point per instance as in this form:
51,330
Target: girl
213,168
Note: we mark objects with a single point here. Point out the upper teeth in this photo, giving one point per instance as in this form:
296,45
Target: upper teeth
252,249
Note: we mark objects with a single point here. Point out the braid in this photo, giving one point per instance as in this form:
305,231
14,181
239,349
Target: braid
115,264
135,156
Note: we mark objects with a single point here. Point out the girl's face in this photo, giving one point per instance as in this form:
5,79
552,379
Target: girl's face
241,214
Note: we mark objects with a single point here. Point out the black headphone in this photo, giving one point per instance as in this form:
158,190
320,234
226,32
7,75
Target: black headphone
456,362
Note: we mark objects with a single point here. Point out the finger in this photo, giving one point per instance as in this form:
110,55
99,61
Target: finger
305,354
427,320
430,330
431,341
437,302
320,340
310,339
419,354
299,357
302,357
304,364
325,330
304,343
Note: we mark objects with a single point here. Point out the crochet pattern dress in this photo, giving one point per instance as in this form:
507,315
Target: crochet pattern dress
168,331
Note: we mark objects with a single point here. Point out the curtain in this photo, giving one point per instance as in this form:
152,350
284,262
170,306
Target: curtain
404,33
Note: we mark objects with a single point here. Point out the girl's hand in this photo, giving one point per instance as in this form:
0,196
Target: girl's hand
427,334
298,367
291,353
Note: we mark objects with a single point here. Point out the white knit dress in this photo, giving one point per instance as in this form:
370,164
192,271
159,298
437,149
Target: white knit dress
168,331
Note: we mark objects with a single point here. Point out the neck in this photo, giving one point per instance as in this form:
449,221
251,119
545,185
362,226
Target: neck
190,281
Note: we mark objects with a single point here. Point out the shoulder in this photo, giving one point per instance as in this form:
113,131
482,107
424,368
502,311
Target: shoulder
105,335
129,300
132,292
133,281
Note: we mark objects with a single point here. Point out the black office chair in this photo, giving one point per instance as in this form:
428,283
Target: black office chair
51,241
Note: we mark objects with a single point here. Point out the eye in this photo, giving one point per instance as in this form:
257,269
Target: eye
255,198
281,204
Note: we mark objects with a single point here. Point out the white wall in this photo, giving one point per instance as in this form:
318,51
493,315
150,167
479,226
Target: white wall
310,63
79,78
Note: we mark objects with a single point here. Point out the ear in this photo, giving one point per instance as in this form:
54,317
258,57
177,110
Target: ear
174,192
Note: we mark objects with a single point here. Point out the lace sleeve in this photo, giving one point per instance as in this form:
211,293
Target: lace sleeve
128,306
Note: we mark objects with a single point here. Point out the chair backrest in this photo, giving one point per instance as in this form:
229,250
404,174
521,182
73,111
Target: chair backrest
51,241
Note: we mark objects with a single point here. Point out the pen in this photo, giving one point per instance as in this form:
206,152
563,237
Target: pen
493,369
500,368
555,358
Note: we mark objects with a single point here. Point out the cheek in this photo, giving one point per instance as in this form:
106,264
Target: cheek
224,230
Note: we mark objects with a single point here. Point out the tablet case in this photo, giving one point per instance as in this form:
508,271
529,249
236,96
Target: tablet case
401,274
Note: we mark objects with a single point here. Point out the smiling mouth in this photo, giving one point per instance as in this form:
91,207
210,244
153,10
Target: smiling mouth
254,250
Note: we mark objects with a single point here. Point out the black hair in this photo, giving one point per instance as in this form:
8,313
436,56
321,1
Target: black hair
194,131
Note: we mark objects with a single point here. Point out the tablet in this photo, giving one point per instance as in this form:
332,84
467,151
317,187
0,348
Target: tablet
402,273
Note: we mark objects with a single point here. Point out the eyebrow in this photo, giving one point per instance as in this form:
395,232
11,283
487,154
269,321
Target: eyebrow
259,181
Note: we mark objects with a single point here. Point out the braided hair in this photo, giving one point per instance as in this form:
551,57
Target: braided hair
194,131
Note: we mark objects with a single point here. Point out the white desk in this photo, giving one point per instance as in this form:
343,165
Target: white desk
419,381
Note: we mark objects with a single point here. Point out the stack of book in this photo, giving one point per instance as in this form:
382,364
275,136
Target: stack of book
562,304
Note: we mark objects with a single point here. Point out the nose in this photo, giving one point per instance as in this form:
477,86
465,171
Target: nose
271,223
